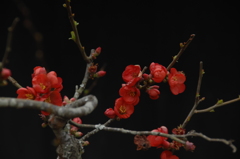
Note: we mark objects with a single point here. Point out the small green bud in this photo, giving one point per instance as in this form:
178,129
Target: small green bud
73,37
220,101
76,23
212,110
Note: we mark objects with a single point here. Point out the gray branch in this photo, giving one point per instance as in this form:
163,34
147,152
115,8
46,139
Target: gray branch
80,107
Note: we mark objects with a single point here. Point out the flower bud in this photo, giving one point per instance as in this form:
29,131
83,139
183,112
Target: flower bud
78,134
110,113
85,143
44,125
100,73
190,146
98,50
5,73
153,92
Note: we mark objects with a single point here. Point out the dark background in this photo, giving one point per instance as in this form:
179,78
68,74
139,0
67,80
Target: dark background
129,32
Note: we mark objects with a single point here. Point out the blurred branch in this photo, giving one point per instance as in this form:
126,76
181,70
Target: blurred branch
14,82
37,36
9,42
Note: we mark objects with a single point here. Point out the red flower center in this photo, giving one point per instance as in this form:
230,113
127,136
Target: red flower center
132,94
48,100
42,86
29,96
122,109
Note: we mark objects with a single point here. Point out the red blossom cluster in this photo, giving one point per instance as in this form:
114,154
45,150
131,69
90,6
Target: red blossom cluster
46,87
145,142
136,80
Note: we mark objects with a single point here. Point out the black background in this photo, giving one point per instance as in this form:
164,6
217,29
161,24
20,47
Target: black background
129,32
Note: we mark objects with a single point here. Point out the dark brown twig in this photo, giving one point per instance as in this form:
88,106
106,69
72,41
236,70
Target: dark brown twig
196,97
183,48
209,109
75,30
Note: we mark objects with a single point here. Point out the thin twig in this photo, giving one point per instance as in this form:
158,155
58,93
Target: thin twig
14,82
196,97
183,48
75,30
209,109
96,129
227,142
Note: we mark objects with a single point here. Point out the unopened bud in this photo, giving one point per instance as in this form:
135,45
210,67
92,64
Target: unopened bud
100,73
78,134
5,73
190,146
85,143
110,113
98,50
44,125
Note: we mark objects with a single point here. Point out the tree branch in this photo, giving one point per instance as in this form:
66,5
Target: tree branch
196,97
75,30
183,48
9,42
209,109
87,103
171,136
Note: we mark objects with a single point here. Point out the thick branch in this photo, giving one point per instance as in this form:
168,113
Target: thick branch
82,86
87,103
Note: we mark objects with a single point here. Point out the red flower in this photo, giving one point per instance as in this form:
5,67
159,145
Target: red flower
158,141
110,113
153,92
133,82
158,72
122,109
41,83
168,155
26,93
130,94
176,81
38,70
131,72
53,98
